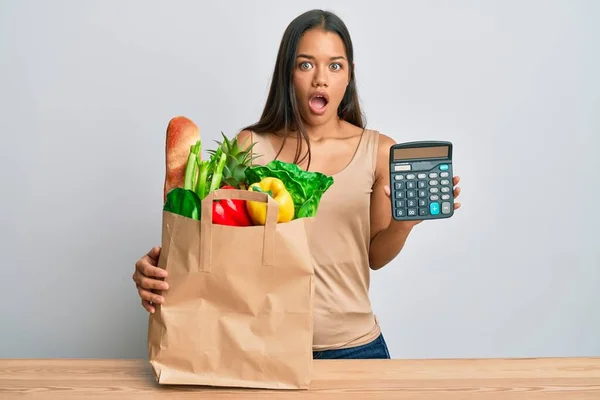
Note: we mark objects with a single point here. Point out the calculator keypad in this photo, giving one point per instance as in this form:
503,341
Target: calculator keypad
422,194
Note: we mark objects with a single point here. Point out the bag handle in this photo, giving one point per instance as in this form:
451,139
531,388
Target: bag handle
206,224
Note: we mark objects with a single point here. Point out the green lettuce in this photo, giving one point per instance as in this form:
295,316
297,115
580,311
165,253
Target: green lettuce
306,188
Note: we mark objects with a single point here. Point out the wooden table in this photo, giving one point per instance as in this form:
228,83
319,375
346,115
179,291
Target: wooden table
531,379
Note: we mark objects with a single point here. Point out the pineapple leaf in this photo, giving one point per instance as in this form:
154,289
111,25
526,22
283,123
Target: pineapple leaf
225,139
237,160
231,182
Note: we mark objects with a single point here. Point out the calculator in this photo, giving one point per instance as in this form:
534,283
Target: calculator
421,180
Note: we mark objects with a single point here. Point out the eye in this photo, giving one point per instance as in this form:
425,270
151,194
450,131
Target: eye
336,66
305,65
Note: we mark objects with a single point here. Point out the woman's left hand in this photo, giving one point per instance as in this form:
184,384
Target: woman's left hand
411,224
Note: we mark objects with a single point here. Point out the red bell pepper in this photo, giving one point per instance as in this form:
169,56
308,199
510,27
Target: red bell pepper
230,212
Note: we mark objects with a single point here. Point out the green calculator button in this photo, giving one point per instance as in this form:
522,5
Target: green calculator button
444,167
434,208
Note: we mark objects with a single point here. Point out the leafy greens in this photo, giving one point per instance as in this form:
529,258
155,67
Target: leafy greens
306,188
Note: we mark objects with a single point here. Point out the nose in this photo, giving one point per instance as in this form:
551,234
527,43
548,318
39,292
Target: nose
320,77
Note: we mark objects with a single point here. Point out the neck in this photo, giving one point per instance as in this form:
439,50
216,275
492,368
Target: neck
326,130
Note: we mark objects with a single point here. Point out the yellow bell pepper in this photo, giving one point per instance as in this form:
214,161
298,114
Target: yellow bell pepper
258,210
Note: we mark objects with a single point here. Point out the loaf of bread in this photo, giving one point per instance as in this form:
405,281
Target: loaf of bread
182,133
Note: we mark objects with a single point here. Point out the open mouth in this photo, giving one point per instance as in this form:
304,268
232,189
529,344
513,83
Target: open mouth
318,102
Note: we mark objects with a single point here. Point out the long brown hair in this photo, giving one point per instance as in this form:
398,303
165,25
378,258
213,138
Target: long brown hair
281,113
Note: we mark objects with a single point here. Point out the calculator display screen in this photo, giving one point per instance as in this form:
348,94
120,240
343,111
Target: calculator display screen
421,152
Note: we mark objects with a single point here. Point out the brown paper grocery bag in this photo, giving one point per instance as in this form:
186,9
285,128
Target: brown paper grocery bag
238,311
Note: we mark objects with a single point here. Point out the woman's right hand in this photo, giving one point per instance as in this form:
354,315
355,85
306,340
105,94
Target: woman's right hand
148,278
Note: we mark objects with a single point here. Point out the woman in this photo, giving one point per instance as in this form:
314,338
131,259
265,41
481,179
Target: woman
312,117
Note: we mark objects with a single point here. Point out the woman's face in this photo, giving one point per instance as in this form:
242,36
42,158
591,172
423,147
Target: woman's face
321,75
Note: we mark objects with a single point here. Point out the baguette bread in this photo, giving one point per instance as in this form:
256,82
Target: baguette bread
182,133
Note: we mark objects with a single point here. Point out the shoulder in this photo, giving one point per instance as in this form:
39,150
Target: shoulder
245,138
382,154
384,142
380,142
257,143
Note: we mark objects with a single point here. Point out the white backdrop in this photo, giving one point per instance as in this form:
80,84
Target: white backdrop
87,89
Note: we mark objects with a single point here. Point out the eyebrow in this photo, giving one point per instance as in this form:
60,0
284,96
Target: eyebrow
312,58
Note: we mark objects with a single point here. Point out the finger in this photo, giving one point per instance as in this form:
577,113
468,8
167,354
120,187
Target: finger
455,180
148,296
457,206
149,283
386,189
456,192
137,277
146,268
152,284
153,255
148,306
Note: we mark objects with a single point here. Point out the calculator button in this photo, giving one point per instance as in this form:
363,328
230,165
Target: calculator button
412,212
422,176
444,174
434,190
402,167
446,207
434,208
444,167
422,202
400,203
399,185
400,213
400,194
411,185
422,184
422,193
410,176
445,189
411,194
411,203
435,197
422,211
398,177
445,182
445,197
433,183
434,175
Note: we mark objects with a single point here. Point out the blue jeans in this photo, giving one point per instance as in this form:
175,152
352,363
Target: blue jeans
375,349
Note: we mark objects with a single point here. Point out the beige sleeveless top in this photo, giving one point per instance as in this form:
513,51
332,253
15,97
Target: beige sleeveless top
340,239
